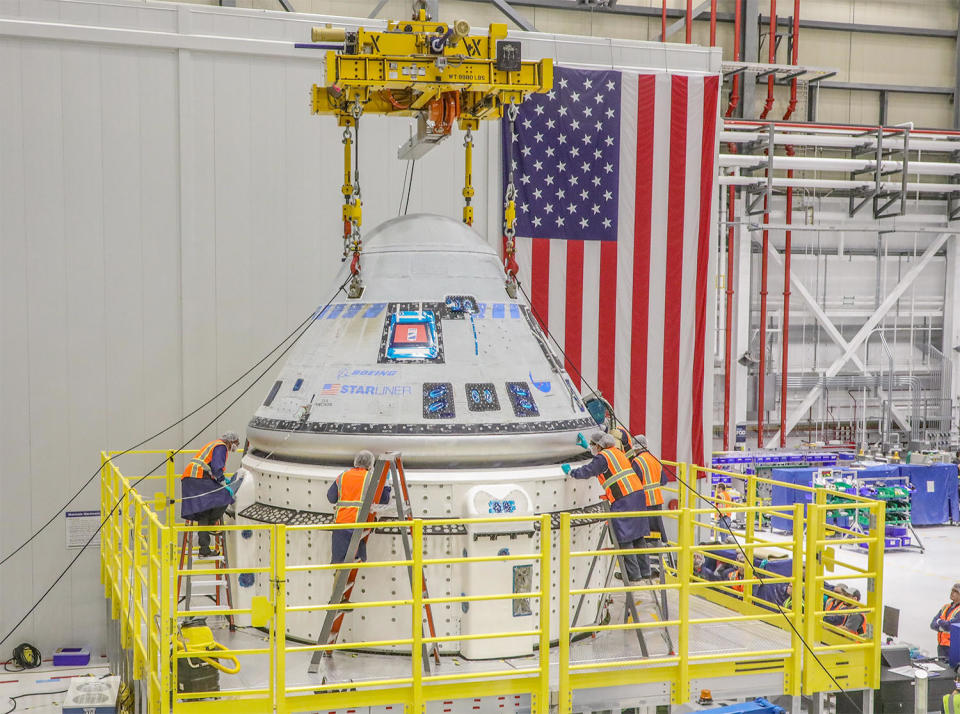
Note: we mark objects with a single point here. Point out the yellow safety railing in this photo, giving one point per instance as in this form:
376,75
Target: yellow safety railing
140,548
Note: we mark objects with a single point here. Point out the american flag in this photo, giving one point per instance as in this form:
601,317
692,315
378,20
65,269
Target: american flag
615,175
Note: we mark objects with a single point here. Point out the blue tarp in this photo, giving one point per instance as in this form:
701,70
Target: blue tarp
771,593
934,498
785,496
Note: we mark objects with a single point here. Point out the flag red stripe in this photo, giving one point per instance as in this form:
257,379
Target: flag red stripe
674,267
573,312
607,321
540,280
710,90
643,212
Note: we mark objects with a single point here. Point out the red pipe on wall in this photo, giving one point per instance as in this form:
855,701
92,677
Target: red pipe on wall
663,22
689,22
713,23
735,87
785,334
762,366
772,56
728,358
794,58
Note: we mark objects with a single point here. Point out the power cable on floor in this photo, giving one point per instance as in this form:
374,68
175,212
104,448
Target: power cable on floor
150,438
31,694
697,496
308,323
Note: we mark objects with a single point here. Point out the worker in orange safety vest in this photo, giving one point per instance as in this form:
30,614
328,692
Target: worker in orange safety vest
205,491
948,614
625,488
347,493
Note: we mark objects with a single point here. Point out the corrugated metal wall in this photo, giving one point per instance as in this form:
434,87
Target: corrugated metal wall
169,211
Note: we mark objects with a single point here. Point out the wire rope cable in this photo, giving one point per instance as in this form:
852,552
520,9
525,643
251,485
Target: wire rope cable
403,188
306,327
154,436
413,166
697,495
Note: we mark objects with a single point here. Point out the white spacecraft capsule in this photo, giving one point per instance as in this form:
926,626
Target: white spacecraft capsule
436,361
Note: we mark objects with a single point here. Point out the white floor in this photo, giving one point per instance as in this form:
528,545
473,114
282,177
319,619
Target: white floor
45,678
918,584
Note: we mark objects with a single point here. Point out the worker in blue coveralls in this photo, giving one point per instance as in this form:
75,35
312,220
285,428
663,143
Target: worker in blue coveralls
206,493
624,490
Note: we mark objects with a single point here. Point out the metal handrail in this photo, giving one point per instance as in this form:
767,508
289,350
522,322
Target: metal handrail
139,571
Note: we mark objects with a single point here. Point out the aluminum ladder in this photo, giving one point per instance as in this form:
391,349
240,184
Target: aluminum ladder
222,593
630,608
387,465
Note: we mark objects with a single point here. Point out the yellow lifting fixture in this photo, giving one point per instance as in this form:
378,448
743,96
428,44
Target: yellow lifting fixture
438,73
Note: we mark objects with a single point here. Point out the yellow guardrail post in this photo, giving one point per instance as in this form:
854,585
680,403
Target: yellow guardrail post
874,592
543,691
684,570
153,613
416,623
168,678
812,601
171,487
563,607
278,627
796,602
136,579
750,486
125,557
683,493
105,535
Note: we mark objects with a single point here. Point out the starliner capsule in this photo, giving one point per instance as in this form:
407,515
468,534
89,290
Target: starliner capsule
437,361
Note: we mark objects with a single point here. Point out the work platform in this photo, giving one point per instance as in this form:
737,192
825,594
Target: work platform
731,642
717,626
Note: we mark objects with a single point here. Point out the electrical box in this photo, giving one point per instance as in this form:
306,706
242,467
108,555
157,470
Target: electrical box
92,696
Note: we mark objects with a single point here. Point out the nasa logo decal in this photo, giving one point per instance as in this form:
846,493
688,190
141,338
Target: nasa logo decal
544,387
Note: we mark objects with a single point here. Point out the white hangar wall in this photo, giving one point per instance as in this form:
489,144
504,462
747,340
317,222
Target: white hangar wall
169,211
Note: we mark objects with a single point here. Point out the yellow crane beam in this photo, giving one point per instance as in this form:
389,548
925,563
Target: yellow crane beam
401,70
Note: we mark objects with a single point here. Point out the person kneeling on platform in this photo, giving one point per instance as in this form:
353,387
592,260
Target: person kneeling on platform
205,492
629,485
347,493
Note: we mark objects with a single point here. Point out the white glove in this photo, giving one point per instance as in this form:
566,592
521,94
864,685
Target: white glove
380,507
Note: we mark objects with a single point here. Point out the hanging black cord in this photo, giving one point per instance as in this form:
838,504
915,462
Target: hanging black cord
103,522
697,495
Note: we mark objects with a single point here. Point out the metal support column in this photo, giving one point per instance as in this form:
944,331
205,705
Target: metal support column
956,79
813,91
751,53
951,331
682,22
515,17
